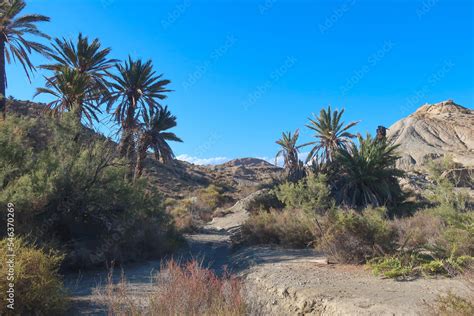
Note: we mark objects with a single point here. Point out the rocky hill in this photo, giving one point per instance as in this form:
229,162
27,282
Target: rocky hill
432,131
238,177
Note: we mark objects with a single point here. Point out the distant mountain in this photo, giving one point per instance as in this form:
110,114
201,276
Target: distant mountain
432,131
248,163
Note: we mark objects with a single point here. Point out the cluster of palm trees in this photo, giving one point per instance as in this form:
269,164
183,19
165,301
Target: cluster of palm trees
359,175
82,79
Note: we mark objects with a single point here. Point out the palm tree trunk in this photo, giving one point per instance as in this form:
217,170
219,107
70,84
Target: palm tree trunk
3,80
141,156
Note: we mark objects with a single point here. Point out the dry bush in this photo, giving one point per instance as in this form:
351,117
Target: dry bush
452,305
419,231
289,228
352,237
194,290
187,289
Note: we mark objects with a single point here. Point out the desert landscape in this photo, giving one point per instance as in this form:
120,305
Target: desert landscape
102,216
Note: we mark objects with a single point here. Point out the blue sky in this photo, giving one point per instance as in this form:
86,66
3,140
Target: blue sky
244,71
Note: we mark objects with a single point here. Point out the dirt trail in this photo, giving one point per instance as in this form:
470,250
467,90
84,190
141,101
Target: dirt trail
280,281
212,246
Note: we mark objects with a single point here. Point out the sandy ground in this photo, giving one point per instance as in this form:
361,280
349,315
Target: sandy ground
279,281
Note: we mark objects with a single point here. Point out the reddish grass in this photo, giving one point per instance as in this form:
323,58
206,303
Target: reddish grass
187,289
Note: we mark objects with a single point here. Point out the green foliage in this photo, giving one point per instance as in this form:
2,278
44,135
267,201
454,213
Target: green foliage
444,193
290,151
310,194
433,241
69,190
367,174
289,228
438,166
408,265
210,197
353,237
38,286
330,133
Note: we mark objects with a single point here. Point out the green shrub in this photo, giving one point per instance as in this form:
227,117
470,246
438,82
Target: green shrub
405,265
353,237
265,201
72,193
210,197
439,240
37,284
310,194
288,228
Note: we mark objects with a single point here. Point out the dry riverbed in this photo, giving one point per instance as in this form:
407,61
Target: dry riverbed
280,281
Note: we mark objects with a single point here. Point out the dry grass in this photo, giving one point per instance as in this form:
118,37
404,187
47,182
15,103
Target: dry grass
187,289
452,305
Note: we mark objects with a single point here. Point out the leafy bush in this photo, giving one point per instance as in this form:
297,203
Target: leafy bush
352,237
289,228
71,193
38,286
310,194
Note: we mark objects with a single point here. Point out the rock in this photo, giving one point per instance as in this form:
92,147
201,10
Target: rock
434,130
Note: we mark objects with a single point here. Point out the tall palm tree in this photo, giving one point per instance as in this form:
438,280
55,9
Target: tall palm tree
153,135
290,151
137,90
79,76
13,44
73,92
367,173
85,57
331,134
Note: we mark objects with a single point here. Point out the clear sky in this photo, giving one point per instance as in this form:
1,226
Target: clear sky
244,71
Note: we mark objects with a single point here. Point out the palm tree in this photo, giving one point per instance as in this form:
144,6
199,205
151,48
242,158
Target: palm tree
331,134
367,173
79,76
86,58
73,92
136,88
154,135
290,150
13,44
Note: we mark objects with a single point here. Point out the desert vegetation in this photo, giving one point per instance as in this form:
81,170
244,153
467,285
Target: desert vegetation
349,205
181,289
81,198
84,200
